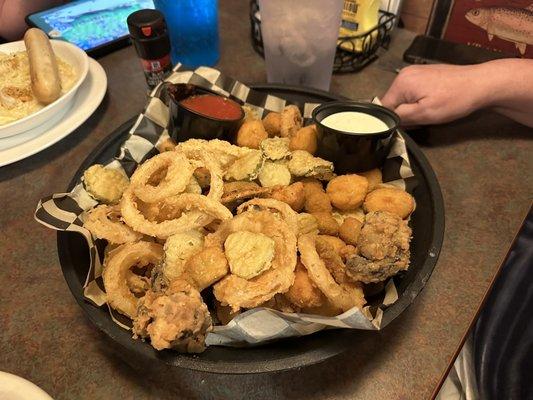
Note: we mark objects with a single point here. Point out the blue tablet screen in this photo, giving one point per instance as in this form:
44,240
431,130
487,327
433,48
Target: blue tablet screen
89,23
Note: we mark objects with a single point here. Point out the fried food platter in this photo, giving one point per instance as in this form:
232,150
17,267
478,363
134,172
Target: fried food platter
427,224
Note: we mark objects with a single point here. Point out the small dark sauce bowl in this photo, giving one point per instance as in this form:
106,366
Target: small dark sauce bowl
187,124
353,152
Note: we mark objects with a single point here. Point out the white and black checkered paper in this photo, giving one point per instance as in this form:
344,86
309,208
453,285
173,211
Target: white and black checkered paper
63,211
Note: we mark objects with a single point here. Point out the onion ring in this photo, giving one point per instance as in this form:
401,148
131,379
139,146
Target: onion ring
202,211
104,223
344,296
248,293
116,271
287,213
177,178
224,152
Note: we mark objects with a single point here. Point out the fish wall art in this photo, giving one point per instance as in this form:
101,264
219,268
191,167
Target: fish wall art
502,26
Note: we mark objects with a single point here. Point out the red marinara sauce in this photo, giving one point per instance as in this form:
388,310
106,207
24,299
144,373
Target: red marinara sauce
213,106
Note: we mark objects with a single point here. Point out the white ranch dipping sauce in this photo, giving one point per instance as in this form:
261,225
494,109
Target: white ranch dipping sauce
354,122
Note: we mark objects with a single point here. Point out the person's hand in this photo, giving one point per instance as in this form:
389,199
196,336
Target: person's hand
433,94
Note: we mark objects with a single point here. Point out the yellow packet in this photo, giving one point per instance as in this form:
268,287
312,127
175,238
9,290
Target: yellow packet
358,17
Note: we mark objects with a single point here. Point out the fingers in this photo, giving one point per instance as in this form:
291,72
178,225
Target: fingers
394,96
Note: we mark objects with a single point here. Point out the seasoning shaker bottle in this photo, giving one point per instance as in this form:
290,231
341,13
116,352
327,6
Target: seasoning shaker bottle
149,35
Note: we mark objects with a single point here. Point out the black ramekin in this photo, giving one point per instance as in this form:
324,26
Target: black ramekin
186,124
352,152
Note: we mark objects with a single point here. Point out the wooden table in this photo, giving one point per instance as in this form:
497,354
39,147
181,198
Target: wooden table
484,167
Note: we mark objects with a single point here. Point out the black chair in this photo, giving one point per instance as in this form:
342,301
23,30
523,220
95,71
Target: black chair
503,334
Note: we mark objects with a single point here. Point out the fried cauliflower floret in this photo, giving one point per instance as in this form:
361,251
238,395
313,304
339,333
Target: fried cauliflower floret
275,148
349,230
246,168
305,139
207,266
293,195
274,174
105,184
303,292
290,121
326,223
390,199
178,249
384,248
303,164
307,223
272,124
251,134
174,318
374,178
248,253
347,192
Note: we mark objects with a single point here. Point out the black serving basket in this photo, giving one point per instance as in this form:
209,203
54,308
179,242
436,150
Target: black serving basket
345,61
428,230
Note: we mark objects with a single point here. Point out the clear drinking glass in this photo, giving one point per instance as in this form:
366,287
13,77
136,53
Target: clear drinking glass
193,29
300,38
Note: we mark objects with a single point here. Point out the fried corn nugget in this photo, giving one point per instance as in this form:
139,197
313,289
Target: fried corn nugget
317,202
349,230
307,223
272,124
275,148
303,164
305,139
105,184
347,192
374,178
312,185
248,253
178,249
303,292
393,200
327,225
293,195
336,243
246,168
207,266
274,174
251,134
290,121
340,216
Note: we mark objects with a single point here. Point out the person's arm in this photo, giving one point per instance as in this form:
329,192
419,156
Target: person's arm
432,94
13,12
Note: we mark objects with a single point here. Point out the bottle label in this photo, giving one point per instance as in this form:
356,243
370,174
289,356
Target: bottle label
156,70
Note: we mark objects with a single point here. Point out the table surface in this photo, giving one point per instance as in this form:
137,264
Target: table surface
484,167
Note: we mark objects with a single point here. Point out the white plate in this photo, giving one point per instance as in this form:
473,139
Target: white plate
86,101
74,56
13,387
